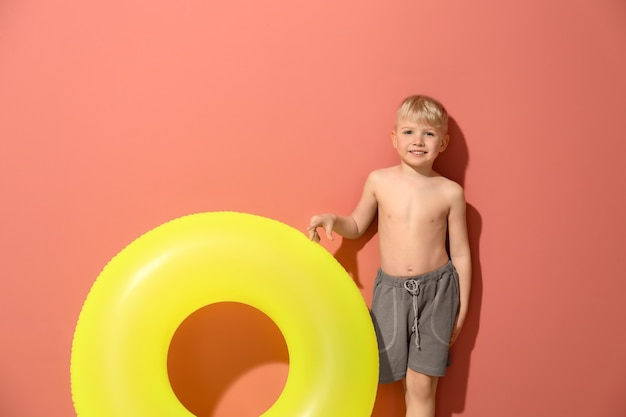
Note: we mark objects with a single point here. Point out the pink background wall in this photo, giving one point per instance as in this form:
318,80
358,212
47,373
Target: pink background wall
118,116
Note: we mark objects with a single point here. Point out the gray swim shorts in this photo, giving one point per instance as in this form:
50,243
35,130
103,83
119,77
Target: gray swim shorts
414,318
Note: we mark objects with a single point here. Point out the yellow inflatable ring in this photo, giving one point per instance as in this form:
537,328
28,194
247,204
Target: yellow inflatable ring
119,352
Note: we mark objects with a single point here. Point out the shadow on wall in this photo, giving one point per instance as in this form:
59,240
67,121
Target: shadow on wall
347,252
453,162
214,348
452,390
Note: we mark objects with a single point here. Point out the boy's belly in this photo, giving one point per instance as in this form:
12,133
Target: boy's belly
413,259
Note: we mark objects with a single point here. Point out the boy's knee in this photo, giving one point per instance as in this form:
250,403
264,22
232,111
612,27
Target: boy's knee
421,386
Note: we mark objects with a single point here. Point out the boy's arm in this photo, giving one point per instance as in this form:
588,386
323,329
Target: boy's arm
460,255
352,226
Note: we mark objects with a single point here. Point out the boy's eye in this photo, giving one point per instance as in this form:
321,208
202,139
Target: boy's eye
429,134
408,132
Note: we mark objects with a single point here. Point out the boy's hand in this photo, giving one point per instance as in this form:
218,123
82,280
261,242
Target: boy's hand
327,221
455,334
457,329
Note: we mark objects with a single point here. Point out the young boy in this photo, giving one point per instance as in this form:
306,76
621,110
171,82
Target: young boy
421,293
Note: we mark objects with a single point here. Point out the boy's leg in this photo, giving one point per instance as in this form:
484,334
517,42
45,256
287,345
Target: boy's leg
420,391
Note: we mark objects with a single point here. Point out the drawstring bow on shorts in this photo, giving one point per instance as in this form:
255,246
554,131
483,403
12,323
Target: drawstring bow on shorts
413,286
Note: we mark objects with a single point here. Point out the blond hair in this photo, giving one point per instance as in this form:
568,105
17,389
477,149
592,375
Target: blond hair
424,109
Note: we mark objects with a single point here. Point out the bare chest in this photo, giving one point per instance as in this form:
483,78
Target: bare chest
413,206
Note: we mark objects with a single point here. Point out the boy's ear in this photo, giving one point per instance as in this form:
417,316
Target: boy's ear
394,139
444,142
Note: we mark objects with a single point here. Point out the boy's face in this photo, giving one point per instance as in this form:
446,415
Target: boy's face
418,144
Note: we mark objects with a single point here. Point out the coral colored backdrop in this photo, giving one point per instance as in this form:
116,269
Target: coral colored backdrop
117,116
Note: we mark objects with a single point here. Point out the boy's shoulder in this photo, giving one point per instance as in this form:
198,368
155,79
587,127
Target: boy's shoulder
386,172
446,183
451,188
381,177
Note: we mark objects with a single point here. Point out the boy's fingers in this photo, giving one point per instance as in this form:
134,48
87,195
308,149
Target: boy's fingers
316,222
329,232
313,235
